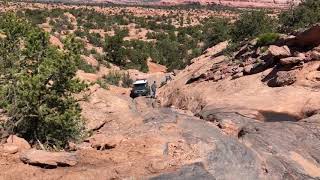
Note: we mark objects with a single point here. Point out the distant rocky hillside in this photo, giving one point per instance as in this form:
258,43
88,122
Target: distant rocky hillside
232,3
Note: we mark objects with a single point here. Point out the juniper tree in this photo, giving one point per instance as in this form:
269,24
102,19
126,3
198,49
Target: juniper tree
36,85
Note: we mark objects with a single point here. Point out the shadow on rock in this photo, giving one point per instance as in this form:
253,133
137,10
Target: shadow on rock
272,116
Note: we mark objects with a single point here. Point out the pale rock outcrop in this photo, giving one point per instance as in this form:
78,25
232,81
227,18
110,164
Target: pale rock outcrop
249,78
281,52
48,159
20,143
291,60
9,148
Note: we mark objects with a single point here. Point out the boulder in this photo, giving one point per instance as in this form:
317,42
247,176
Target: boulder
244,49
238,70
291,60
259,67
307,38
314,55
103,142
283,78
248,68
299,54
238,75
21,143
217,77
280,52
9,148
48,159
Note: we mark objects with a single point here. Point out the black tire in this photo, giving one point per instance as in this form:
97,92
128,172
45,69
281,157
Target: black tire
133,95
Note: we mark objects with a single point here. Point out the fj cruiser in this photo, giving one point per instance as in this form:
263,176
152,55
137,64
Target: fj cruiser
140,88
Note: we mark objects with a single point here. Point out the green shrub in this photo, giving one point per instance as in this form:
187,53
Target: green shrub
307,13
95,39
36,16
217,30
37,84
93,51
251,24
80,33
126,80
232,47
267,39
115,51
113,78
82,65
102,84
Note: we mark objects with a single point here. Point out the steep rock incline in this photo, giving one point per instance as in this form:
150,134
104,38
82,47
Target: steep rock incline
141,140
282,78
263,100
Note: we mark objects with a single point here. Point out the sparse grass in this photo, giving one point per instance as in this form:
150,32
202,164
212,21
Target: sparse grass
126,80
102,84
113,78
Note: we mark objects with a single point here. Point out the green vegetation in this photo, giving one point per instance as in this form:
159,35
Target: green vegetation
174,47
115,78
252,24
103,84
307,13
170,44
37,83
126,80
87,68
267,39
217,30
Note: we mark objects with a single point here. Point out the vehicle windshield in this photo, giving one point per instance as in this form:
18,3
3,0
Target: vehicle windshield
140,86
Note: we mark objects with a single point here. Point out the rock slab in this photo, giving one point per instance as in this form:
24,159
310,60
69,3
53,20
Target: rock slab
48,159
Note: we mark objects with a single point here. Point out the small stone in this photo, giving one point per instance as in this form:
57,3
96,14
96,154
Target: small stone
253,42
291,60
315,55
283,78
248,68
72,146
238,75
240,69
301,55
